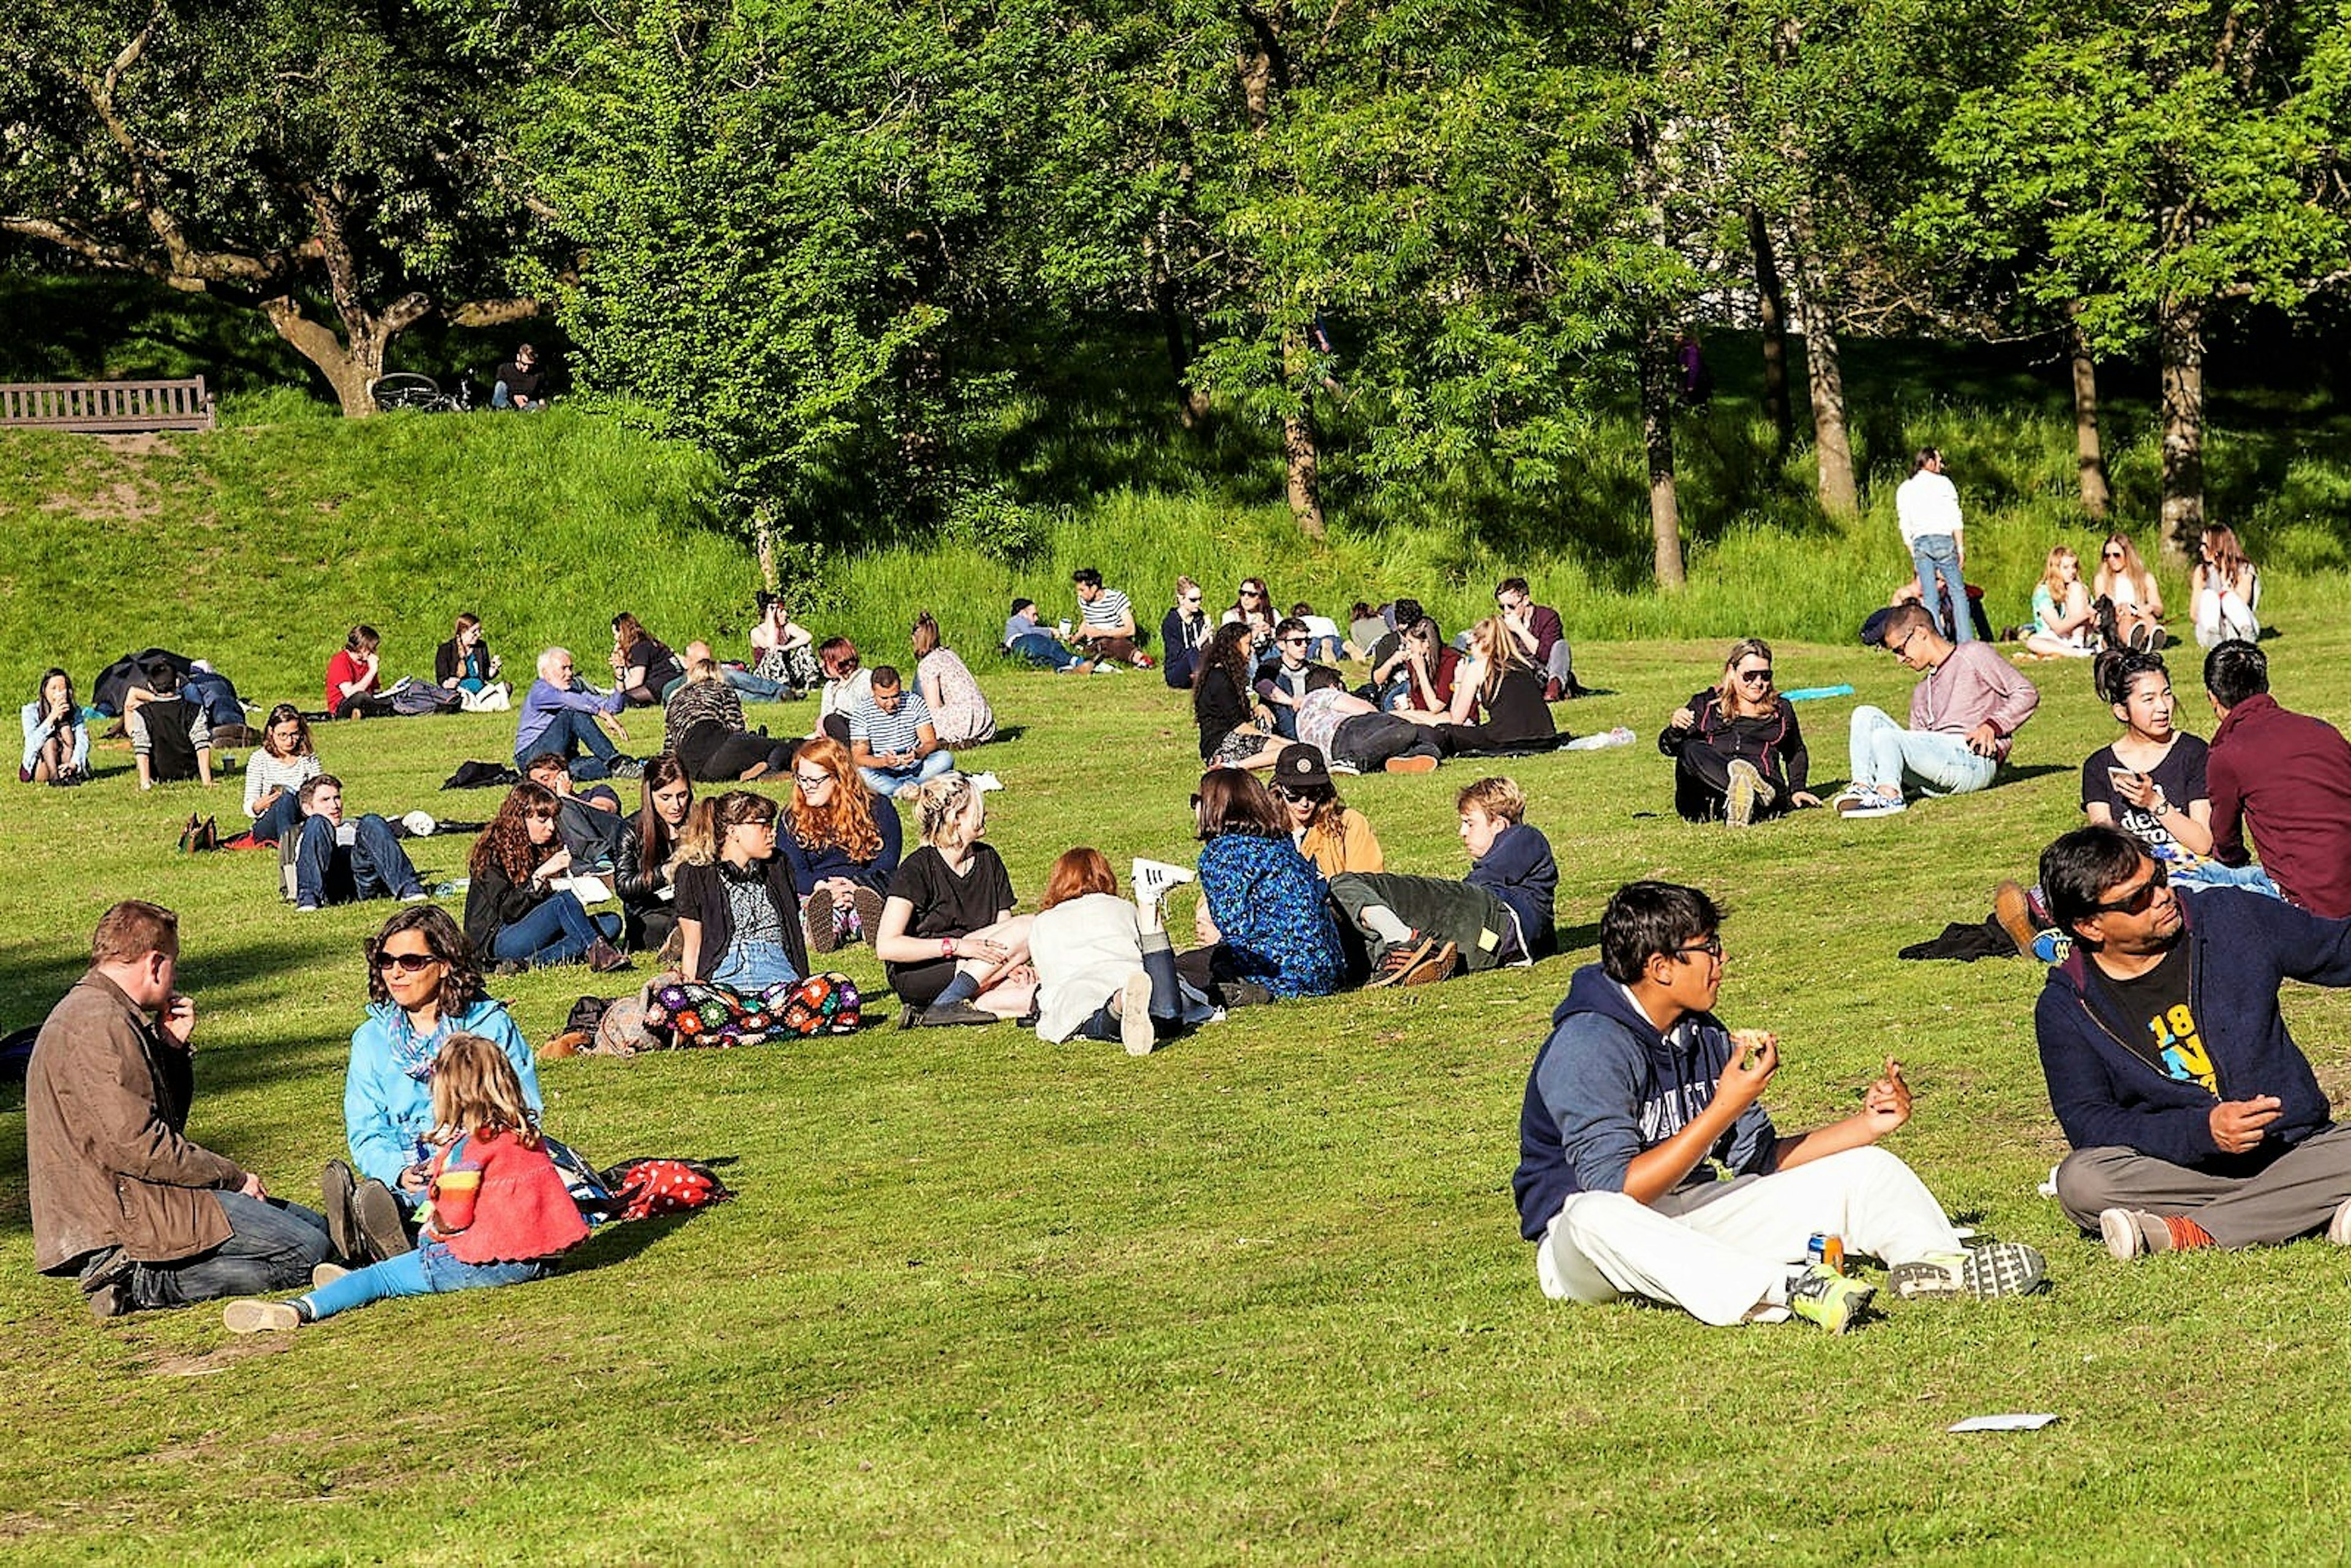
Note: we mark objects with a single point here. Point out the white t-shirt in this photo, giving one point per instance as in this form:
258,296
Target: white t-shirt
1926,504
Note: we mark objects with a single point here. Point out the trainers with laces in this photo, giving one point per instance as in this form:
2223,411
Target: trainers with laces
260,1317
1151,879
2012,907
1438,965
1822,1296
1747,791
1133,1004
1869,803
1995,1269
627,768
2131,1233
1399,960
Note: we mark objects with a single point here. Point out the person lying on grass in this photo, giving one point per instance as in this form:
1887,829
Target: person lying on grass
1964,715
2195,1120
1105,968
496,1210
1648,1167
1418,929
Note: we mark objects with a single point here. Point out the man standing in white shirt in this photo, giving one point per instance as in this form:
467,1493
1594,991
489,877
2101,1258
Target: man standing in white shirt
1927,507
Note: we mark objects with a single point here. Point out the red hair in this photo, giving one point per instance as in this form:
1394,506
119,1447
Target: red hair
1079,872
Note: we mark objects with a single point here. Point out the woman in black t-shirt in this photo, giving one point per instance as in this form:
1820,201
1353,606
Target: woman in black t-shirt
955,951
1223,703
642,665
2150,781
1498,678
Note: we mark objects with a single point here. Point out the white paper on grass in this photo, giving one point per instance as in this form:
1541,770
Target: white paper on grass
586,889
2008,1423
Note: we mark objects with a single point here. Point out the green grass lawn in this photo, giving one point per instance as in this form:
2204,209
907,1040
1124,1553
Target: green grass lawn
1261,1295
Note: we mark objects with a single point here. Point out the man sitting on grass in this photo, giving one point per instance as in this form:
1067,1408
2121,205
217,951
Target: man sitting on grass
2287,776
1963,716
1647,1165
559,714
1425,928
590,821
340,862
891,739
2195,1120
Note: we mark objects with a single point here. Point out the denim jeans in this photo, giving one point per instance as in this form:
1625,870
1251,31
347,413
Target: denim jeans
758,688
572,731
375,866
888,782
284,817
1934,554
431,1270
1042,649
559,931
2212,874
1884,753
272,1246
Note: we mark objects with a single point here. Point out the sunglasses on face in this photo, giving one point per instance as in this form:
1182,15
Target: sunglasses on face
1757,677
2139,900
2114,555
1293,796
406,963
1293,641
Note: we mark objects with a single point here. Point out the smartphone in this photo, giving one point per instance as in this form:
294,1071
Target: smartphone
2119,777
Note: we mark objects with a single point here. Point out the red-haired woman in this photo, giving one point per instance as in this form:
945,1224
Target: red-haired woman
1105,969
842,842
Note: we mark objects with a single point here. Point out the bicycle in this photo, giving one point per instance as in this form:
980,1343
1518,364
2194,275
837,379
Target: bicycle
406,389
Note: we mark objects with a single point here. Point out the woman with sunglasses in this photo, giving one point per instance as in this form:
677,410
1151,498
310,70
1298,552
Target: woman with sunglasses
644,864
1182,632
1264,916
514,913
2129,605
1739,754
1327,830
842,842
1252,607
424,987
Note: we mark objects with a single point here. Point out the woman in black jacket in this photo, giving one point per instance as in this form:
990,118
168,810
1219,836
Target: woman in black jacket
1224,706
737,914
1739,754
513,913
1182,635
645,861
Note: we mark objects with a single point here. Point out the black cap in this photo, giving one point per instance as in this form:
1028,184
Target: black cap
1303,767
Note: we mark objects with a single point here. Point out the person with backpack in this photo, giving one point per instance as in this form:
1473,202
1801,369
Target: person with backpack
496,1211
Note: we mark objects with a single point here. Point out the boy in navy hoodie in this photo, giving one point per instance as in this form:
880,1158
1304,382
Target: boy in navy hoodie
2195,1120
1647,1165
1424,928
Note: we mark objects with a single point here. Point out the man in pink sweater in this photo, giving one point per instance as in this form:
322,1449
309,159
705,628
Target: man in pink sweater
1963,716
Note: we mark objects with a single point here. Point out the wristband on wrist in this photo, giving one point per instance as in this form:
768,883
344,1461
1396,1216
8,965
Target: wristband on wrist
947,947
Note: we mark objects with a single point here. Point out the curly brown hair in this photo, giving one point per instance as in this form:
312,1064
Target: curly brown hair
506,842
461,978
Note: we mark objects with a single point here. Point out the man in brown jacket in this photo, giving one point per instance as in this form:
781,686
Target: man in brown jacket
120,1197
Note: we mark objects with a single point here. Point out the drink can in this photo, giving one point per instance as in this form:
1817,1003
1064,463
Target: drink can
1826,1250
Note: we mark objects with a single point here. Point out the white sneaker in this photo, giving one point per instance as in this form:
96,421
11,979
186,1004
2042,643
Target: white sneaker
1104,667
982,783
419,823
2338,1230
1134,1027
1151,879
1863,801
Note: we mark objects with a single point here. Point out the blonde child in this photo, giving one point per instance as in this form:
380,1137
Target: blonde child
496,1210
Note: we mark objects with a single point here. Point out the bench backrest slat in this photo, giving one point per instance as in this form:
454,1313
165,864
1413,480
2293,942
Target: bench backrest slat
177,404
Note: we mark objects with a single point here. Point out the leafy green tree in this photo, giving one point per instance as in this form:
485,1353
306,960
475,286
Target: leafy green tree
338,164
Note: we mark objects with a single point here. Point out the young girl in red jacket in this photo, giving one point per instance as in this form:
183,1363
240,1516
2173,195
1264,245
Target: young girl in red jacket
496,1211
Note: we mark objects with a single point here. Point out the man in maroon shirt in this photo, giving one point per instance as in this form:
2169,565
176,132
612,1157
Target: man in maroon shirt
2287,776
1541,635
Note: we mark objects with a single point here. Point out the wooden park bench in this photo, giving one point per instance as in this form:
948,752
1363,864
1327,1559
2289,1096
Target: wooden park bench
107,406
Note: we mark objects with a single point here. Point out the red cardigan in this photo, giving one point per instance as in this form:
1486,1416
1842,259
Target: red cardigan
501,1202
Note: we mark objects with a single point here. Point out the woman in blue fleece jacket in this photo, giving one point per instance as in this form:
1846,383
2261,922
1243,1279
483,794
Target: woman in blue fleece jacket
423,988
2194,1118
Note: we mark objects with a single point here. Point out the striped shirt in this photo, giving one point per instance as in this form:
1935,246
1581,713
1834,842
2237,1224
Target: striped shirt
885,733
1110,608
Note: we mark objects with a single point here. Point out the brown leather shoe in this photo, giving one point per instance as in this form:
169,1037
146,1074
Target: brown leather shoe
604,959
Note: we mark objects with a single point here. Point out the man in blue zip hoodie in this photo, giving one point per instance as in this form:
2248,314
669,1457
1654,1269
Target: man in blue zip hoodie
1647,1165
2195,1120
1420,929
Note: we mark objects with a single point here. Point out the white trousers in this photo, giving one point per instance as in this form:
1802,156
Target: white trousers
1725,1257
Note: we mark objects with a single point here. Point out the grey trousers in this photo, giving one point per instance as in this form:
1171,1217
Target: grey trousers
2294,1196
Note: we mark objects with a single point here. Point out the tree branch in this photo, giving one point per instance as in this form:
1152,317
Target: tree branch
493,312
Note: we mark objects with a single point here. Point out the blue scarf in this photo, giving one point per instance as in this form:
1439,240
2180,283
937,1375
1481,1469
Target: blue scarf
414,1055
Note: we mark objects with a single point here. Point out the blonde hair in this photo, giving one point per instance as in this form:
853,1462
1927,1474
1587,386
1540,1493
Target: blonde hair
1496,650
2142,581
2058,556
941,804
705,833
476,1090
1497,797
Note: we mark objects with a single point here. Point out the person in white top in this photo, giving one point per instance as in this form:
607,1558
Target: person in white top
1927,507
1105,969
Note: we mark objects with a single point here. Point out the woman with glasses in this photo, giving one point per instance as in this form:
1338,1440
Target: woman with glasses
1253,607
703,729
644,864
960,715
842,842
2129,605
1182,632
1497,698
424,987
1739,754
514,913
2064,626
737,917
1264,916
1327,830
955,951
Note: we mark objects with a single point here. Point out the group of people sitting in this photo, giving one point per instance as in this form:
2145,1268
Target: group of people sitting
2121,609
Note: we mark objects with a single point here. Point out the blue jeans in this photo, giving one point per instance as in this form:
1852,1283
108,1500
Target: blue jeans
1166,997
2212,874
1884,753
758,688
888,782
573,731
1042,649
373,867
282,818
559,931
271,1246
431,1270
1937,555
752,966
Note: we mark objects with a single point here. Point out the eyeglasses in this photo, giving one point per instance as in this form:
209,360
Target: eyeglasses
1757,677
2138,899
1896,645
811,782
406,963
1711,947
1191,599
756,824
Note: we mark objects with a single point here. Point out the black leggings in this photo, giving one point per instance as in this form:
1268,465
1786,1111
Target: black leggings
1702,783
1369,741
713,754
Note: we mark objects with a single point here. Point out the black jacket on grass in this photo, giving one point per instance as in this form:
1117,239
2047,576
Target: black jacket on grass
2240,947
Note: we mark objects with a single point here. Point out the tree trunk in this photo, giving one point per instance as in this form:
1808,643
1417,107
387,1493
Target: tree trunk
2180,332
2097,496
1175,325
1301,446
1824,375
1771,308
351,369
1657,378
